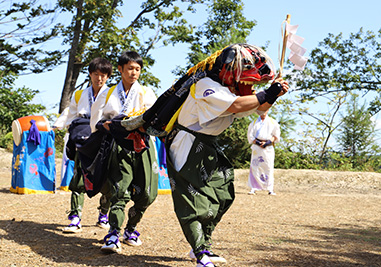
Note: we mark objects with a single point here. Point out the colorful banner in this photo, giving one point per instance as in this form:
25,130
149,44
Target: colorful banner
33,165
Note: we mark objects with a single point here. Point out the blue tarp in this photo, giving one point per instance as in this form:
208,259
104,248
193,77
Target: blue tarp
164,185
67,174
67,168
33,166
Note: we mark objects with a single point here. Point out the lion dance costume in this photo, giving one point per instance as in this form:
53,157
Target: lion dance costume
191,114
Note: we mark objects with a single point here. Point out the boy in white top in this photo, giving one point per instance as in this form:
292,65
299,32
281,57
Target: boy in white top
80,107
133,170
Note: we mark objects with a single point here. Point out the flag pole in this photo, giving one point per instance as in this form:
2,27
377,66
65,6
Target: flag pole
285,35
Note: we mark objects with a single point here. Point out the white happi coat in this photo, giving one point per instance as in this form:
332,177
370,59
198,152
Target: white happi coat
204,111
112,103
80,106
261,175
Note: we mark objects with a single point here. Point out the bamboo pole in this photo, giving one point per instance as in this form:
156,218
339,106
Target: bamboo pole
285,35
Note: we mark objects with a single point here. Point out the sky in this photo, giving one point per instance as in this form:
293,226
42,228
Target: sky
316,19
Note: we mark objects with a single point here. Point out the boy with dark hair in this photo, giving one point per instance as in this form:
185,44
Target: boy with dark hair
133,172
80,106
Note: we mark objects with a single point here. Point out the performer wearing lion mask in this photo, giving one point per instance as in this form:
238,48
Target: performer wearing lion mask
213,93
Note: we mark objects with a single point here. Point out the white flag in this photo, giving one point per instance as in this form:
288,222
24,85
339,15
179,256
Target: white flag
294,43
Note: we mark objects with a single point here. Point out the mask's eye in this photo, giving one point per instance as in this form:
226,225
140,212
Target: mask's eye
247,64
259,58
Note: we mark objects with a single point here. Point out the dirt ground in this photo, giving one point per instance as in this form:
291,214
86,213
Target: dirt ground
318,218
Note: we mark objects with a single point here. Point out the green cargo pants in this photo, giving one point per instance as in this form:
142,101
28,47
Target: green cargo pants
132,176
202,191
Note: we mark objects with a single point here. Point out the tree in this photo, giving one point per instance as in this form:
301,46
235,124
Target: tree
225,25
357,131
282,111
337,68
326,122
15,103
24,26
234,143
342,65
94,32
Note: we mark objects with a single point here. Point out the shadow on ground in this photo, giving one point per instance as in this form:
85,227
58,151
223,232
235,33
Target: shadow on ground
72,249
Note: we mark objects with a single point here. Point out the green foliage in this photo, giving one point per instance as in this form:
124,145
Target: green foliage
338,161
15,103
357,132
341,65
285,158
225,25
59,134
22,29
59,141
6,140
234,143
96,30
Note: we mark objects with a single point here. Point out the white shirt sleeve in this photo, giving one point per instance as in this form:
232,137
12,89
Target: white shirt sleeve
149,98
61,120
212,102
73,111
250,133
276,131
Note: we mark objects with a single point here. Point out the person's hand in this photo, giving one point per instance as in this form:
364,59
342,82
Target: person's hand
106,125
257,142
267,143
284,85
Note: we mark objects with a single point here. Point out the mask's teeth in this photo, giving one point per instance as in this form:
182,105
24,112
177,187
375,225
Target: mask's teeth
247,83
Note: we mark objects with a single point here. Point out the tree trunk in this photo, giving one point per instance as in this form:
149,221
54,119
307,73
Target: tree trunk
72,74
73,66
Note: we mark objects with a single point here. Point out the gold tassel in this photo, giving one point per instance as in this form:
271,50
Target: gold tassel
202,64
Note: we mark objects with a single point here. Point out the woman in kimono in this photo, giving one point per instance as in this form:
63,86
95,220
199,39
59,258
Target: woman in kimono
262,134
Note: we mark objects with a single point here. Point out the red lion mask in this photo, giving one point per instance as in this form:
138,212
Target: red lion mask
243,66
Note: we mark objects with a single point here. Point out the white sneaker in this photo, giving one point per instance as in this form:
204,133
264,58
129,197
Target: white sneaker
103,221
132,238
252,192
112,243
213,257
74,226
192,256
205,262
272,193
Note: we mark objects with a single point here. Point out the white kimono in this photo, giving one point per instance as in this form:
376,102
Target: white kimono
79,106
112,103
204,112
261,175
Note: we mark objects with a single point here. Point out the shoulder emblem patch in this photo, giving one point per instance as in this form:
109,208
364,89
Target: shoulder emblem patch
208,92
